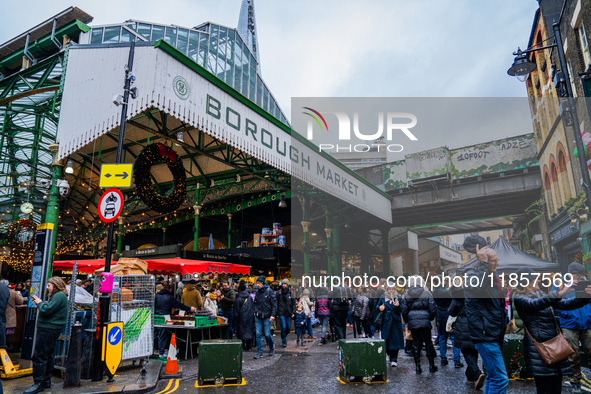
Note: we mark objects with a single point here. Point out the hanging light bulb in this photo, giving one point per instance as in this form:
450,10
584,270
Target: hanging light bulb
282,202
70,167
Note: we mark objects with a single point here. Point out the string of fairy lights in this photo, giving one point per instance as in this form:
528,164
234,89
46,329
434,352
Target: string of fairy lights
79,235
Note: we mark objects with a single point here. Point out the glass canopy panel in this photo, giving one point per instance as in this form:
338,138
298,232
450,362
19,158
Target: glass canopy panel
183,41
144,30
230,58
259,98
222,38
170,36
252,89
126,36
237,63
96,36
193,45
111,35
245,70
203,44
157,33
265,98
212,57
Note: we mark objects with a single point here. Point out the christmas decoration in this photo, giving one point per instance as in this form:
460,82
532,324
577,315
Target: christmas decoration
153,154
586,147
22,232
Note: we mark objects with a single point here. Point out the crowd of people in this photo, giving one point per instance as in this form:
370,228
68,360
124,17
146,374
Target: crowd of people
475,319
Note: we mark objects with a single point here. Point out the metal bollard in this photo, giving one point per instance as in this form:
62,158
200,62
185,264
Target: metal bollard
73,367
87,353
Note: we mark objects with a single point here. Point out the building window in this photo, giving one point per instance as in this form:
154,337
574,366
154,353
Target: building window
584,45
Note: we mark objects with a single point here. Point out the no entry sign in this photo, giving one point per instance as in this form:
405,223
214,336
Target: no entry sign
110,205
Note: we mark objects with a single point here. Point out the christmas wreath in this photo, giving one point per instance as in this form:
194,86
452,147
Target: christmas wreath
153,154
22,231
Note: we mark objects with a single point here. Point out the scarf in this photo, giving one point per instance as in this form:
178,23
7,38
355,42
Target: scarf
213,296
390,297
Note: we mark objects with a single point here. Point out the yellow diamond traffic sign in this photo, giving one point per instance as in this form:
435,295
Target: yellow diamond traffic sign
116,175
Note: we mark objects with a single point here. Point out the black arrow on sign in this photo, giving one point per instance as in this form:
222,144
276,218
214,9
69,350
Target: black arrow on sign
122,176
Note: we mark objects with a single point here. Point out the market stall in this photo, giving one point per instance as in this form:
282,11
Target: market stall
186,266
162,266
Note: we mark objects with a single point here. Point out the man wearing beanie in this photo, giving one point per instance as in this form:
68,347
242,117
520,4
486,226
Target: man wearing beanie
286,305
265,309
576,325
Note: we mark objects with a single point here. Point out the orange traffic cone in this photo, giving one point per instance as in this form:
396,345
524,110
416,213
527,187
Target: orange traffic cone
172,366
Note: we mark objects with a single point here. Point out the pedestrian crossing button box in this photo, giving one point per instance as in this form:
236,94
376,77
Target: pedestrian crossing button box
362,360
220,362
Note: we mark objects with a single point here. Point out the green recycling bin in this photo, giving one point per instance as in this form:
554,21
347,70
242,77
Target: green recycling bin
220,362
362,360
513,355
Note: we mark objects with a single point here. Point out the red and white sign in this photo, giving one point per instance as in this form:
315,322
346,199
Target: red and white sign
110,205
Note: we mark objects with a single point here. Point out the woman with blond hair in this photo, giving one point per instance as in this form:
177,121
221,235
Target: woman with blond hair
51,316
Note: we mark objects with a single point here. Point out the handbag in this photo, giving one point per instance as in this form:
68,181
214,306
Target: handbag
379,320
553,350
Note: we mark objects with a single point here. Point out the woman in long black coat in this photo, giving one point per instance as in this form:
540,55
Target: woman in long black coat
463,342
389,304
418,310
243,320
535,309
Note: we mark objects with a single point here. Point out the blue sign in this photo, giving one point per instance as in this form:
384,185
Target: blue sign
114,335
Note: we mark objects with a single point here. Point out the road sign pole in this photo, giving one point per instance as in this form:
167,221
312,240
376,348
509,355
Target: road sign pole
104,300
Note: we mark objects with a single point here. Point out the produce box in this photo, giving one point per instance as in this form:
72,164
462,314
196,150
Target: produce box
212,322
220,362
158,319
201,321
362,360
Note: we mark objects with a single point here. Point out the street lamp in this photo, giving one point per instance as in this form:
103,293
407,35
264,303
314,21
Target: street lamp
521,69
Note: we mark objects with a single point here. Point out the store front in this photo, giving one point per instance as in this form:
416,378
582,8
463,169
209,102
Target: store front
565,240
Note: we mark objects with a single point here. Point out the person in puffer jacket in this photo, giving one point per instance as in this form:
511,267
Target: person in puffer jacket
322,312
535,309
361,312
418,310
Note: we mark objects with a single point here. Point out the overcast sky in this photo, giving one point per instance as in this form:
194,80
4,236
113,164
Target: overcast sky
378,48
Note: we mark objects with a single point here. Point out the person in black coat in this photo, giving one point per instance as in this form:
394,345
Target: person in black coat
265,310
418,309
164,302
4,296
244,317
535,309
487,316
340,297
463,342
443,298
286,303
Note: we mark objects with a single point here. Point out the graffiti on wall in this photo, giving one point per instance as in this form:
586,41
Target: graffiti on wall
476,160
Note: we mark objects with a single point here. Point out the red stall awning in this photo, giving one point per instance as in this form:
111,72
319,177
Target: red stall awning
87,266
162,266
185,266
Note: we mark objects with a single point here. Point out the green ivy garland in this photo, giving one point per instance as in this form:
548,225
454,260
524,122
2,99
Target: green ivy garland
153,154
